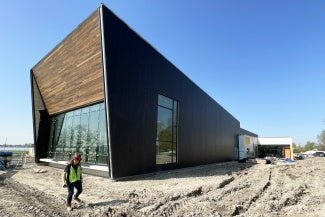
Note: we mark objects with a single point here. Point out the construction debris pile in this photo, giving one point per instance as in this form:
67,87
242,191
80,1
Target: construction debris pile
9,160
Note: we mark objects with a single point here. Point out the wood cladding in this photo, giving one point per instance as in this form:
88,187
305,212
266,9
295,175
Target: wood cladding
71,75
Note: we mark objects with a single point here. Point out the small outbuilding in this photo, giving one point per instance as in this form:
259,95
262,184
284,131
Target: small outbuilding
261,147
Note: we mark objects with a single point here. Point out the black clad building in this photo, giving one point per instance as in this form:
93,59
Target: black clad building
108,94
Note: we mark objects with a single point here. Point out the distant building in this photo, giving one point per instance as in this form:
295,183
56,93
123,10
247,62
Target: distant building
251,146
108,94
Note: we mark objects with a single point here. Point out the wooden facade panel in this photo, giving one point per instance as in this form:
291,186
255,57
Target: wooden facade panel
71,75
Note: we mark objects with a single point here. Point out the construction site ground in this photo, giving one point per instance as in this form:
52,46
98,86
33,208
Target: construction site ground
221,189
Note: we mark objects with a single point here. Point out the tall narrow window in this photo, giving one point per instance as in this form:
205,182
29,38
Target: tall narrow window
167,130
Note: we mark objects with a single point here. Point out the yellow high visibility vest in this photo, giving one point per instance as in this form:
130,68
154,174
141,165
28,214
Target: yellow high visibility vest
74,175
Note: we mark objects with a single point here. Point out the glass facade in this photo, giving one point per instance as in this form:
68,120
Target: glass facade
271,151
82,130
167,128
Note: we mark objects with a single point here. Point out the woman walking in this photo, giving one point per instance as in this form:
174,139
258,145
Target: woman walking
72,178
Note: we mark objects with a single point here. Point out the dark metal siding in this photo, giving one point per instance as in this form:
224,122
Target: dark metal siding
136,74
42,141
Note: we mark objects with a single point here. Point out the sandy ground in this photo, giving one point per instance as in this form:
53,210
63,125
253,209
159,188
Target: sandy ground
223,189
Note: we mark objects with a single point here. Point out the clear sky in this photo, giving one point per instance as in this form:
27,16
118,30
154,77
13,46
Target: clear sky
263,61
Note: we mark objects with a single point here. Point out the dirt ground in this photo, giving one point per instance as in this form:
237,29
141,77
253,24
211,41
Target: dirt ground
222,189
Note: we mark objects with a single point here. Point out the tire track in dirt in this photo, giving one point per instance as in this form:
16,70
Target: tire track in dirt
169,205
160,203
240,194
204,196
238,210
284,191
24,200
209,196
29,202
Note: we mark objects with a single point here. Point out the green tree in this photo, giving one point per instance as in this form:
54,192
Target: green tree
297,148
321,138
164,131
310,146
321,141
320,147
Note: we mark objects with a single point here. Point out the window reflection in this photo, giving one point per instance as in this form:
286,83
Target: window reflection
166,143
82,130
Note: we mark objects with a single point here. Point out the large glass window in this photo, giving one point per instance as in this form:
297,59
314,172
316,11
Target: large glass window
167,126
270,151
82,130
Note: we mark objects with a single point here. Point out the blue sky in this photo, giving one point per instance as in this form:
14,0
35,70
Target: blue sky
263,61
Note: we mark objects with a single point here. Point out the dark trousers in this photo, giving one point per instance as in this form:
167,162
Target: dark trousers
71,186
